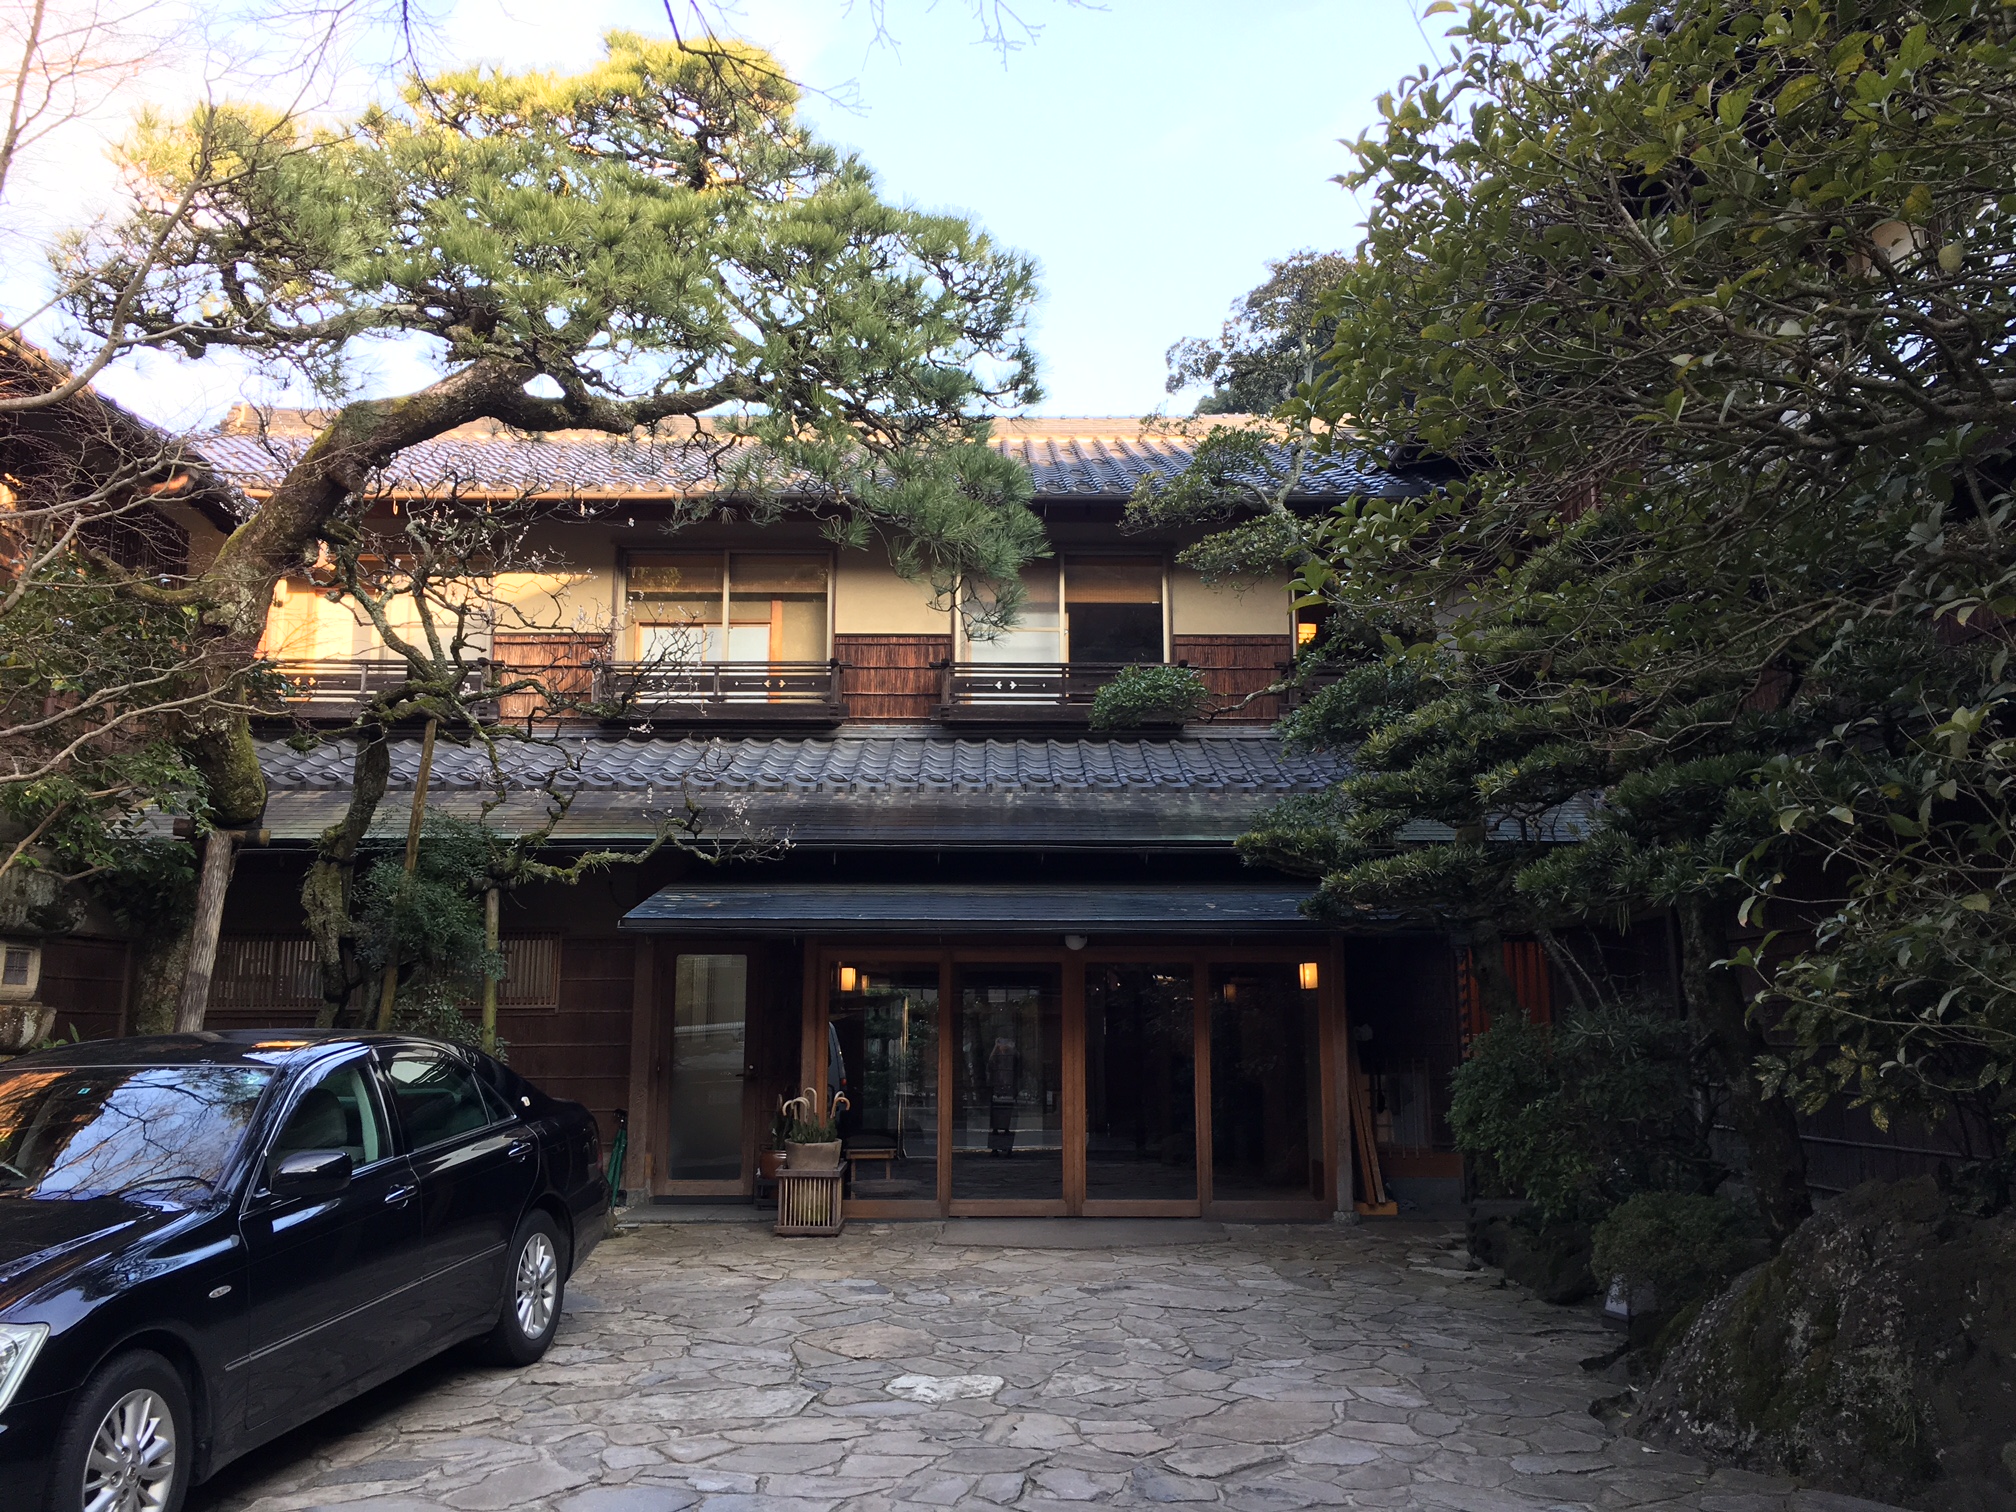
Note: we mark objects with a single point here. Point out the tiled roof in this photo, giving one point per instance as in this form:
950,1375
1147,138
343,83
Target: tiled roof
1093,457
841,764
867,792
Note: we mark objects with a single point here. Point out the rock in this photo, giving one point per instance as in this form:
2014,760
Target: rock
1874,1357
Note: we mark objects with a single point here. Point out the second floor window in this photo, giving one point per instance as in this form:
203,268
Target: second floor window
727,606
1111,611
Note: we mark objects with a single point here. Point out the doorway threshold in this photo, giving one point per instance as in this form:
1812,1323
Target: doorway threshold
695,1212
1078,1233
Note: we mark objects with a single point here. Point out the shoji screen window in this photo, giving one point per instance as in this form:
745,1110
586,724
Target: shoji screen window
1033,637
737,607
678,606
776,608
1113,609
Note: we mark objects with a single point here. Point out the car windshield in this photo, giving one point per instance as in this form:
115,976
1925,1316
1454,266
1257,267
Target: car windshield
162,1132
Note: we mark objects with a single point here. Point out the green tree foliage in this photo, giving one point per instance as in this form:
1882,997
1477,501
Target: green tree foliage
1158,695
1272,344
1584,1115
1683,1245
653,239
1708,308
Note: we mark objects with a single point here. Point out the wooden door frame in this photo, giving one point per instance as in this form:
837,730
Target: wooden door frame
824,954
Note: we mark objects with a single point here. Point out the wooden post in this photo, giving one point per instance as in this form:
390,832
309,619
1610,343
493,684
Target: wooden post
389,989
219,852
490,943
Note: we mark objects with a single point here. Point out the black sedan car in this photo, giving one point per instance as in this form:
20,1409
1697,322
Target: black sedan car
206,1239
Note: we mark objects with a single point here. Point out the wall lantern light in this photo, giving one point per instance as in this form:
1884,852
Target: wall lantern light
1074,942
849,977
1307,972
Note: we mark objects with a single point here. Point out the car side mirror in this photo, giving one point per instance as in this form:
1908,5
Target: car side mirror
310,1173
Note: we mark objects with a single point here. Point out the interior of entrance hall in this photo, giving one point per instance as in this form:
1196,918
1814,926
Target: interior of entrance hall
1154,1079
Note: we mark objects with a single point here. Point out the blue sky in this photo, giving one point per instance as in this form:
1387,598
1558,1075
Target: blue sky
1152,155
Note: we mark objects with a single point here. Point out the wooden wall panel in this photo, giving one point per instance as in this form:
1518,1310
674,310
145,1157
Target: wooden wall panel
85,982
581,1048
562,662
1234,666
890,678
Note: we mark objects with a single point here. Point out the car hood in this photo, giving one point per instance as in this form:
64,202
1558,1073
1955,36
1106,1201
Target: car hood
40,1239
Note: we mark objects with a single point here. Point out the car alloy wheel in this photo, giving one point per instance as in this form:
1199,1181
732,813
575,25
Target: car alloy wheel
537,1287
131,1467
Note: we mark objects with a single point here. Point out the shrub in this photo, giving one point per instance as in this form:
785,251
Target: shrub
1577,1117
1680,1244
1149,696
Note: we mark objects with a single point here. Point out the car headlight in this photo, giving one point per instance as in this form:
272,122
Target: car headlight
19,1344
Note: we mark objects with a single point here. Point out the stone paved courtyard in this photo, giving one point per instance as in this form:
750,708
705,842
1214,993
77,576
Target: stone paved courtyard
713,1366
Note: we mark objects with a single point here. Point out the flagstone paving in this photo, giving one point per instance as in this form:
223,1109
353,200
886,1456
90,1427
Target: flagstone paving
714,1367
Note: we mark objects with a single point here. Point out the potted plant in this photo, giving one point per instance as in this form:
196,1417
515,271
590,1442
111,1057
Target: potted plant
812,1133
770,1159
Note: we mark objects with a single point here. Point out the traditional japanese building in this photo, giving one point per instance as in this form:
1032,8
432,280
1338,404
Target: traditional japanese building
1025,949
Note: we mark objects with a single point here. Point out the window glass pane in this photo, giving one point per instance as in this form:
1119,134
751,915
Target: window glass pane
882,1051
1114,609
676,604
777,608
657,578
710,1015
98,1131
1266,1104
1112,580
804,577
1140,1083
1033,636
1008,1123
337,1113
436,1097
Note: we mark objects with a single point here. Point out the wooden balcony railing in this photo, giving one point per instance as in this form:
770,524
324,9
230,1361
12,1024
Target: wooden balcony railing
1008,692
728,692
336,689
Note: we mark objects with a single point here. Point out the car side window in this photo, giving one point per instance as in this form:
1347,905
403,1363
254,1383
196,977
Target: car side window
438,1098
336,1112
499,1105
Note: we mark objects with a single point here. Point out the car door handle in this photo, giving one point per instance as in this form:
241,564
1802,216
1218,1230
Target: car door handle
519,1149
398,1196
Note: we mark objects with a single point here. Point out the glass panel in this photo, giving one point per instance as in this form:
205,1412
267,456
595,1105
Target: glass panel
777,607
882,1051
1140,1083
1266,1100
97,1131
676,601
436,1098
710,1015
337,1113
1115,609
1033,636
1008,1113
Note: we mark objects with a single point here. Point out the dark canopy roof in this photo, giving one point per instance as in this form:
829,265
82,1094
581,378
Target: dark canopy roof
994,909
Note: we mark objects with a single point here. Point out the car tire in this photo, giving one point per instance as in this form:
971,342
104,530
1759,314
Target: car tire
535,1288
135,1411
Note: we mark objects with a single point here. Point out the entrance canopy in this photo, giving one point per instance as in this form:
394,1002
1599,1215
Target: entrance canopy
869,909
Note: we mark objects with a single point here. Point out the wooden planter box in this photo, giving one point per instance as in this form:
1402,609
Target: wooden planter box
808,1202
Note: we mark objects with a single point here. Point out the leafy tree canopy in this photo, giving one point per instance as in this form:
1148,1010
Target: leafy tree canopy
652,240
1271,345
1708,306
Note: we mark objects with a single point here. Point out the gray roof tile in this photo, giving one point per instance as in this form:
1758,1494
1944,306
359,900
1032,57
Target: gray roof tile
1092,458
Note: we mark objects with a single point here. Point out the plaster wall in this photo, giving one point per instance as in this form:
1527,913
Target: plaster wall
1246,608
